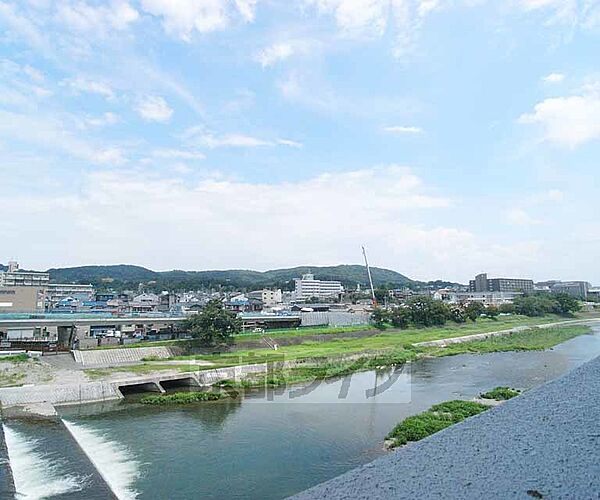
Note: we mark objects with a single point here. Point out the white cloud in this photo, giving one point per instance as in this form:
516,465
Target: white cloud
99,19
111,156
274,53
154,108
550,196
212,211
81,84
103,120
181,18
568,121
199,136
290,143
178,154
519,217
398,129
49,134
376,18
553,78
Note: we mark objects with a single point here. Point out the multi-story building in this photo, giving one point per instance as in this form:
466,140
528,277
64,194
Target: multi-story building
21,299
16,277
482,283
485,298
269,298
308,287
579,289
58,292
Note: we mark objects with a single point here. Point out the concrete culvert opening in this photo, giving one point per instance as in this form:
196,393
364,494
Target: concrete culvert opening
181,383
139,388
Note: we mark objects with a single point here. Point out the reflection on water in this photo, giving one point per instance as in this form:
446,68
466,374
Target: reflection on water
280,442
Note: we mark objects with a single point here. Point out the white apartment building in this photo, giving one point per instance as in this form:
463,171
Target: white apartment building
55,292
268,297
16,277
308,287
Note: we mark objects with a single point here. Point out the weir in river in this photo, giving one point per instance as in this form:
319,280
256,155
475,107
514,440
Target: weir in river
47,462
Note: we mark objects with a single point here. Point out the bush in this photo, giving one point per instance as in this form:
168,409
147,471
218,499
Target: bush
500,393
179,398
435,419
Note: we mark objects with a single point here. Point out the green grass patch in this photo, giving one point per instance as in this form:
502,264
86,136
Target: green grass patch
17,358
500,394
534,339
435,419
181,398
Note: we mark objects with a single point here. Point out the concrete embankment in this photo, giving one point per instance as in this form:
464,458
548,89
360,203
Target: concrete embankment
113,357
7,485
93,392
543,444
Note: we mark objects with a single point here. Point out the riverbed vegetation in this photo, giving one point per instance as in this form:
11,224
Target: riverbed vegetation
501,394
181,398
339,367
435,419
328,358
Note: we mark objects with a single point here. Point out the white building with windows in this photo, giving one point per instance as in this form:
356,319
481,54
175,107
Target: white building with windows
268,297
16,277
308,287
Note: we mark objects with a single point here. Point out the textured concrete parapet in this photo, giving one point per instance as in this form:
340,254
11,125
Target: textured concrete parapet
542,444
112,357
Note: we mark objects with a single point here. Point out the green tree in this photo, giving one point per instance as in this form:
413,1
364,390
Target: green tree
565,304
214,325
492,312
473,310
457,314
399,317
426,311
380,318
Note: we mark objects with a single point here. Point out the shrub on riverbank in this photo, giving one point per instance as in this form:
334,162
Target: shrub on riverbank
435,419
179,398
500,394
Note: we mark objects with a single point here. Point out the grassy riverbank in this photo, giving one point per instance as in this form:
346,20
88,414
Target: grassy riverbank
534,339
397,341
386,348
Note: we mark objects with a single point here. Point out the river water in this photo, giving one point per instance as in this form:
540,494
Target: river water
269,446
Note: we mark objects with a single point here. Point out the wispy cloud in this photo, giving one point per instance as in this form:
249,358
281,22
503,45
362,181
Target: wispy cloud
553,78
402,129
154,108
201,137
182,18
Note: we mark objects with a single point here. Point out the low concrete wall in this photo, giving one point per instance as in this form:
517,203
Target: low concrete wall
112,357
59,394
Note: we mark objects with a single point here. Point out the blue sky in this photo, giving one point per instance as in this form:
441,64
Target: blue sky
448,136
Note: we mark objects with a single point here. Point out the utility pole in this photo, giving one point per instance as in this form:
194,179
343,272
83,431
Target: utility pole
370,279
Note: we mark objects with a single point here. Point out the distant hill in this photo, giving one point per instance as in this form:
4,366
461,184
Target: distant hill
123,277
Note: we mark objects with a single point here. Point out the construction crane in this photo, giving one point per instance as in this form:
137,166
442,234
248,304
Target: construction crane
370,278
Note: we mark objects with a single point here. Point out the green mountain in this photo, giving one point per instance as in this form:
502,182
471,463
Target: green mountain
125,276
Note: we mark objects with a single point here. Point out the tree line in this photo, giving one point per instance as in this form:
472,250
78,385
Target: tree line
424,311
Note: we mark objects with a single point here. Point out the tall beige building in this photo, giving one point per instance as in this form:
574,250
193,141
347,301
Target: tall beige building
14,299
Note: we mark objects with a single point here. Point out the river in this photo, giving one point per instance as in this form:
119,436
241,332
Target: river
269,446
